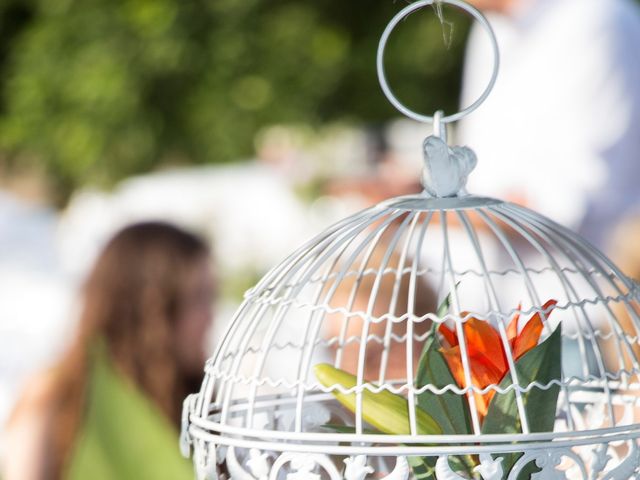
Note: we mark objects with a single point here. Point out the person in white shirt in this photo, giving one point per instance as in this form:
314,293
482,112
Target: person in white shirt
561,131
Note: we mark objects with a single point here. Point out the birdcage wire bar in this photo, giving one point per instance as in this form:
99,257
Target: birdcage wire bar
362,295
403,244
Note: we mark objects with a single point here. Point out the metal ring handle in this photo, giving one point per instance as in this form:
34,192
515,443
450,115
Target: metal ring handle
383,42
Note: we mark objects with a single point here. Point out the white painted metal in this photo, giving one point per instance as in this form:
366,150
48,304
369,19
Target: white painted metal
390,247
408,10
361,296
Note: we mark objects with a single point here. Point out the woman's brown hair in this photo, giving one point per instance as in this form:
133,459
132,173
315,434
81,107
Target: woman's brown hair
132,300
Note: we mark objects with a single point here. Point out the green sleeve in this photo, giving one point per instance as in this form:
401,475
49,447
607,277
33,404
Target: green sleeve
124,435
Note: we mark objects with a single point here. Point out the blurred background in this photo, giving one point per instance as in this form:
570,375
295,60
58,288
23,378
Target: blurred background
230,118
257,123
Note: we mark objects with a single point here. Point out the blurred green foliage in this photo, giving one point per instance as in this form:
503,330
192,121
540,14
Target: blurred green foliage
96,90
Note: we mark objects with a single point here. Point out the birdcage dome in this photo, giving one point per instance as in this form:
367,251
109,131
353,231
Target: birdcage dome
362,297
439,335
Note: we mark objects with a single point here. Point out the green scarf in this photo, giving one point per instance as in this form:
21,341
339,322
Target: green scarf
124,436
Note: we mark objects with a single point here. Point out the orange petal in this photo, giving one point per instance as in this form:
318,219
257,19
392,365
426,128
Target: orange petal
448,335
483,339
482,372
530,334
548,307
512,328
453,359
528,338
483,377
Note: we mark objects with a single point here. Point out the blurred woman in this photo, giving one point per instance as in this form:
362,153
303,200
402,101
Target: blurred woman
111,407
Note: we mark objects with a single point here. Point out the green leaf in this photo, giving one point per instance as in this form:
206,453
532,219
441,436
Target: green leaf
383,410
443,308
449,409
542,364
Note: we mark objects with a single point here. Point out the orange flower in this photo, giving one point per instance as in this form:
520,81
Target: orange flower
487,356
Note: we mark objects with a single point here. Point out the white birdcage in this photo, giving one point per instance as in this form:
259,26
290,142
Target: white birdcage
552,394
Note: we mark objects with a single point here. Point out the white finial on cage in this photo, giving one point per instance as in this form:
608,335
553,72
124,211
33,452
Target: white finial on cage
446,169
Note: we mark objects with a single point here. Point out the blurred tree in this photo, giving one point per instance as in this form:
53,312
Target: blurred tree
100,89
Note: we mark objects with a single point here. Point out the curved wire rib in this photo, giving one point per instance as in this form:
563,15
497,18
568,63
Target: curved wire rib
387,247
591,381
419,338
487,315
264,291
